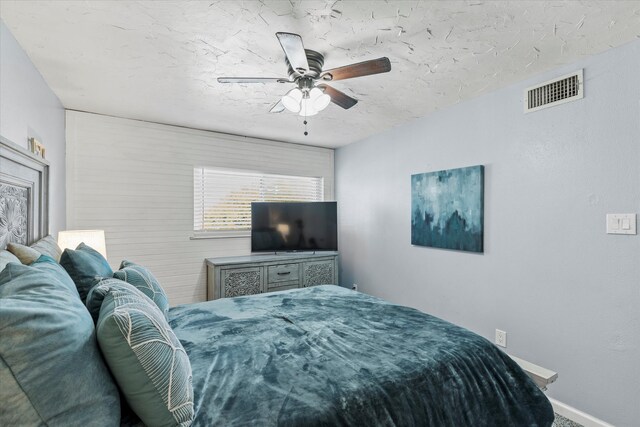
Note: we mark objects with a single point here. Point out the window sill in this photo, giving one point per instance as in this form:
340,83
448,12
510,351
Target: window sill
220,235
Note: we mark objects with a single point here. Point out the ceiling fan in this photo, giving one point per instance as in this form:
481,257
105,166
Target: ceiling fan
311,93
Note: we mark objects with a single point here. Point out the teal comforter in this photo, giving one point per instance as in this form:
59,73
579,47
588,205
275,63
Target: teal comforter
327,356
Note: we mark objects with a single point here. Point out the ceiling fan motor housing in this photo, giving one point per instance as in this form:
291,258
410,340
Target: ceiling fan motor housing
305,84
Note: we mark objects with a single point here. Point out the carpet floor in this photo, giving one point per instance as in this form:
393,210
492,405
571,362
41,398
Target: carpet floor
561,421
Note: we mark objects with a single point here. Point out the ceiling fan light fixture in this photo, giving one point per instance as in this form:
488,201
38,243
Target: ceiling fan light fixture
321,102
318,100
306,108
291,100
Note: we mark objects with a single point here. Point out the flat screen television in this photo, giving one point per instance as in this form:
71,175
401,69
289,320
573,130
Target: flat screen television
294,226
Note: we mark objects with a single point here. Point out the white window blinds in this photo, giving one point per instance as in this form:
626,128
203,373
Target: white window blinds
222,199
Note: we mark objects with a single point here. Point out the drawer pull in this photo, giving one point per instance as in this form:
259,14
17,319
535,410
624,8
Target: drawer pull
283,273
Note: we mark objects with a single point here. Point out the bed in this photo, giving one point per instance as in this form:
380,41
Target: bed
318,356
327,356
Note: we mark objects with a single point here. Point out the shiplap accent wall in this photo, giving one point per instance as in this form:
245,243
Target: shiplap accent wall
134,179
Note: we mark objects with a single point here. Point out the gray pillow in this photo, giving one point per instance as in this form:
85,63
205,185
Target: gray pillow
146,358
25,254
6,257
52,372
48,246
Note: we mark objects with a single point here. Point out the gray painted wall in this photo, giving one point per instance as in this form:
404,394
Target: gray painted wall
28,108
567,294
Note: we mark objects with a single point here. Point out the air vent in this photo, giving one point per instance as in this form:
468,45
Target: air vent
554,92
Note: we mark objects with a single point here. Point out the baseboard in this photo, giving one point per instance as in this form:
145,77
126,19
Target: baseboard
576,415
541,376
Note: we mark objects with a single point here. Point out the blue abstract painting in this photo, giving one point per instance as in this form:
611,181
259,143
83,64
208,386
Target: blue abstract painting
447,209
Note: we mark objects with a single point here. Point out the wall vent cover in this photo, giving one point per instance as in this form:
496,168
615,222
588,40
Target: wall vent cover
554,92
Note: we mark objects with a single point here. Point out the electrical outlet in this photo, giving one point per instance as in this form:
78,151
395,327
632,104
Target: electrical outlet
501,338
354,287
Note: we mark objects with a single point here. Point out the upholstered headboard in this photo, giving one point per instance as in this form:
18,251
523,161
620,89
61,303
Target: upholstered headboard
24,191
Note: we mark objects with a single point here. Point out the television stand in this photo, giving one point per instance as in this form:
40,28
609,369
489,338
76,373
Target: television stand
256,274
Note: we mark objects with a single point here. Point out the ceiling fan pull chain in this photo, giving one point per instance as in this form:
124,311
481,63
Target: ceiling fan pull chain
305,128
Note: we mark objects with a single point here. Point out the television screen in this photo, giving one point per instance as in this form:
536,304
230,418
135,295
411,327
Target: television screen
294,226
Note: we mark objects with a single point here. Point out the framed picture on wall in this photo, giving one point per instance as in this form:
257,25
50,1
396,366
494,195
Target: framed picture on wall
447,209
37,148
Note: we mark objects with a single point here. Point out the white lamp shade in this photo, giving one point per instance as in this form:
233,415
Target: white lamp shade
291,100
321,102
308,111
306,108
317,101
314,94
72,238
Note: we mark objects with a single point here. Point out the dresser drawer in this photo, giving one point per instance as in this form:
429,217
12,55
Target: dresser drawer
283,273
274,288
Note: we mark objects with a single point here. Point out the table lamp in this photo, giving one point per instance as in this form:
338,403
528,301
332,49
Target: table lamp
72,238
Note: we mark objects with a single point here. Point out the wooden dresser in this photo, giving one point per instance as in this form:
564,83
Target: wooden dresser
255,274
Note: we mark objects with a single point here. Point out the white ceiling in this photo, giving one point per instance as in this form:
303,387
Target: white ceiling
159,60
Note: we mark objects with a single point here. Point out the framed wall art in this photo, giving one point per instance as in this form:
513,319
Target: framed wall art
447,209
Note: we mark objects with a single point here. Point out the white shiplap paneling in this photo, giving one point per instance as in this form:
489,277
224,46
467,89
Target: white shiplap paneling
134,179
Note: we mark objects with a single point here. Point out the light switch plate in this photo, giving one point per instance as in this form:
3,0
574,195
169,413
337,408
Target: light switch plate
621,224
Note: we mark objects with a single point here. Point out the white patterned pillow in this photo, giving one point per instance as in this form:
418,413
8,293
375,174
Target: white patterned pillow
145,356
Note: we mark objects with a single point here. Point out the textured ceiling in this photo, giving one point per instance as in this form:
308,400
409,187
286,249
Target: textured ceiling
159,60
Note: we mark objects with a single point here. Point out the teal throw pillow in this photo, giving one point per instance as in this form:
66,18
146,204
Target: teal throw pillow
49,266
20,411
51,370
144,281
146,358
83,265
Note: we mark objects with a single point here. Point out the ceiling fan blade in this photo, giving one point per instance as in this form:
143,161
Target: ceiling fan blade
366,68
294,50
278,107
251,80
338,98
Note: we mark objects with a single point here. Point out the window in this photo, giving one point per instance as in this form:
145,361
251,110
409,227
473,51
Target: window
222,199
